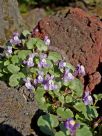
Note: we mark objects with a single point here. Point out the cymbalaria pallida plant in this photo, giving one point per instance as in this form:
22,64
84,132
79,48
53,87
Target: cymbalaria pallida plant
68,110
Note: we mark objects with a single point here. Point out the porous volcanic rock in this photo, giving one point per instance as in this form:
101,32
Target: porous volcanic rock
16,111
78,37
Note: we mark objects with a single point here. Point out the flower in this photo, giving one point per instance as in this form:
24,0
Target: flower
87,98
28,83
67,75
62,64
49,83
43,62
80,70
30,62
15,39
71,125
46,40
8,50
39,78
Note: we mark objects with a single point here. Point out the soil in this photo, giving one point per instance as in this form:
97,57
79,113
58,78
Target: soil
17,109
78,37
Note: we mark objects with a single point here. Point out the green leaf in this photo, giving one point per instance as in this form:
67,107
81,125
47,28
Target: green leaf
15,59
49,62
33,70
60,133
80,106
54,121
39,96
39,93
20,75
92,112
13,68
69,66
31,43
41,45
84,131
47,123
44,124
26,33
61,99
6,63
22,54
99,96
54,56
5,70
77,87
64,113
1,74
68,99
13,81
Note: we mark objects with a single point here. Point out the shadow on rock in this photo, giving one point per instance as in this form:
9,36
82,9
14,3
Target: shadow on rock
7,130
34,123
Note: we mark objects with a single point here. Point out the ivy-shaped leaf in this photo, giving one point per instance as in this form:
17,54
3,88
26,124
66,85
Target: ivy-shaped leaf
22,54
13,68
26,33
77,87
60,133
31,43
47,123
92,112
84,131
64,114
13,80
15,59
41,45
54,56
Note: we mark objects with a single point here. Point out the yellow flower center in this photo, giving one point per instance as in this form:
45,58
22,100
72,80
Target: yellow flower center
72,122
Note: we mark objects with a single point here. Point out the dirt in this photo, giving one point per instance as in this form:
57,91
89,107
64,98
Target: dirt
78,37
17,109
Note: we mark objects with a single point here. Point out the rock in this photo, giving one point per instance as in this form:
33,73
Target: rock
10,19
78,37
15,111
32,17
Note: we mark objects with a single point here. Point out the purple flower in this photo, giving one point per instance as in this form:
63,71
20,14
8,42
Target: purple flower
40,78
28,83
15,39
71,125
62,64
49,83
30,62
68,76
9,50
47,40
80,70
43,62
87,98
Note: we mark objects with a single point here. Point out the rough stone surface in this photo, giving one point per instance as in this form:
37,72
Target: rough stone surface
10,19
32,17
15,112
78,37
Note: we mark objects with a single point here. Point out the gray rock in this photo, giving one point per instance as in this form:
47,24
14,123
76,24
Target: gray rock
10,19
